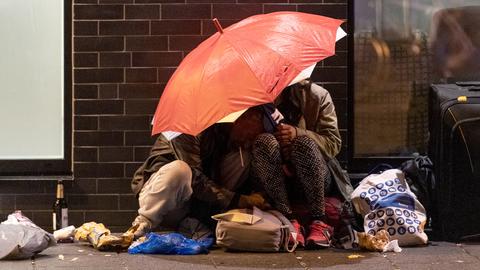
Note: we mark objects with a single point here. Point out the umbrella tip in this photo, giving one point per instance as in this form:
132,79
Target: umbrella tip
218,25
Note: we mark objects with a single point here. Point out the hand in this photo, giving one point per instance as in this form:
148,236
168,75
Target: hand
285,133
255,199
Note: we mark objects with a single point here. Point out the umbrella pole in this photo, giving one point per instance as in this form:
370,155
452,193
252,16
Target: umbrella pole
241,156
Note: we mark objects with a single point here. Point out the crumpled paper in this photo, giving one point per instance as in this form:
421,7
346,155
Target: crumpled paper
378,242
100,237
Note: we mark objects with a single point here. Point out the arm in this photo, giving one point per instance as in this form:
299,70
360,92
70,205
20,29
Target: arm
320,120
321,123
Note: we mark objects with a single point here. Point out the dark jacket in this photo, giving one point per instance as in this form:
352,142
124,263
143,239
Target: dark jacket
186,148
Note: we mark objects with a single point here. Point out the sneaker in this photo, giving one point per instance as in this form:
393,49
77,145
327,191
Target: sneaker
144,226
300,232
320,234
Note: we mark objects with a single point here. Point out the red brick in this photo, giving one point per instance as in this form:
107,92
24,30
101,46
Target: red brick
86,122
141,91
128,202
306,1
86,107
156,59
147,43
211,1
208,28
337,90
124,28
164,74
115,154
85,60
115,1
130,168
108,91
114,219
184,43
106,75
330,74
266,1
85,1
159,1
95,202
139,138
124,123
141,75
85,91
339,59
85,28
142,12
186,11
235,11
176,27
89,44
85,154
98,138
335,11
114,185
141,106
141,153
98,12
268,8
115,59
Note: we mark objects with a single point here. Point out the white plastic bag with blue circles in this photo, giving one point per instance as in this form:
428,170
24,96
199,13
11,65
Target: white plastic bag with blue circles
387,203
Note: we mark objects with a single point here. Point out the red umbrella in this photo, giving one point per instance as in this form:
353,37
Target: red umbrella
244,65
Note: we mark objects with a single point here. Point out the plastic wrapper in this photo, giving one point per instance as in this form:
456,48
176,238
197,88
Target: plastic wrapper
373,242
20,238
64,235
171,243
101,238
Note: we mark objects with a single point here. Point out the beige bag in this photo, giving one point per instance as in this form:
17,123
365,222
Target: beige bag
254,230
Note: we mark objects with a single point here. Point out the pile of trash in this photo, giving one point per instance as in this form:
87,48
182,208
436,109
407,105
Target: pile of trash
20,238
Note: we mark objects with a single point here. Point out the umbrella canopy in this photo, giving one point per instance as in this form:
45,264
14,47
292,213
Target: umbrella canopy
244,65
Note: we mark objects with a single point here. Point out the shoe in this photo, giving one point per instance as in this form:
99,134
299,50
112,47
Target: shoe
300,232
320,234
144,226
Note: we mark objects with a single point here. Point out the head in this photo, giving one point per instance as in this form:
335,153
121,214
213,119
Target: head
248,126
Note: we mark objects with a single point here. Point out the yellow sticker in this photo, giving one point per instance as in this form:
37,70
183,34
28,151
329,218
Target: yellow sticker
462,99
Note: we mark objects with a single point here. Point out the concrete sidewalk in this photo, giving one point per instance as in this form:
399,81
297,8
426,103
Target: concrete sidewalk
439,255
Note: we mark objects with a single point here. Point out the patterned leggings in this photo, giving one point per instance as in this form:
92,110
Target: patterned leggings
310,168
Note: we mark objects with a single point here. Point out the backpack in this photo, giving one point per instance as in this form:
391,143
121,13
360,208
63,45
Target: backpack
254,230
343,218
421,179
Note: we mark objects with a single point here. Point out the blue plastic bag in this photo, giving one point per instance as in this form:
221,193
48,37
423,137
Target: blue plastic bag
171,243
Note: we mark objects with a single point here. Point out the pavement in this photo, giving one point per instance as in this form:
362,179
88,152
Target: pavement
438,256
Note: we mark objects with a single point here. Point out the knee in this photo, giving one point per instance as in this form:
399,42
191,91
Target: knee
304,142
303,147
176,174
266,143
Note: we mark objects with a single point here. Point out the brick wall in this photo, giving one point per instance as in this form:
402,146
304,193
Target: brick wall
124,53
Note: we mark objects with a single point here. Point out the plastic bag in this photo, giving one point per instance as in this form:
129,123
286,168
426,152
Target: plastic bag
171,243
387,203
20,238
